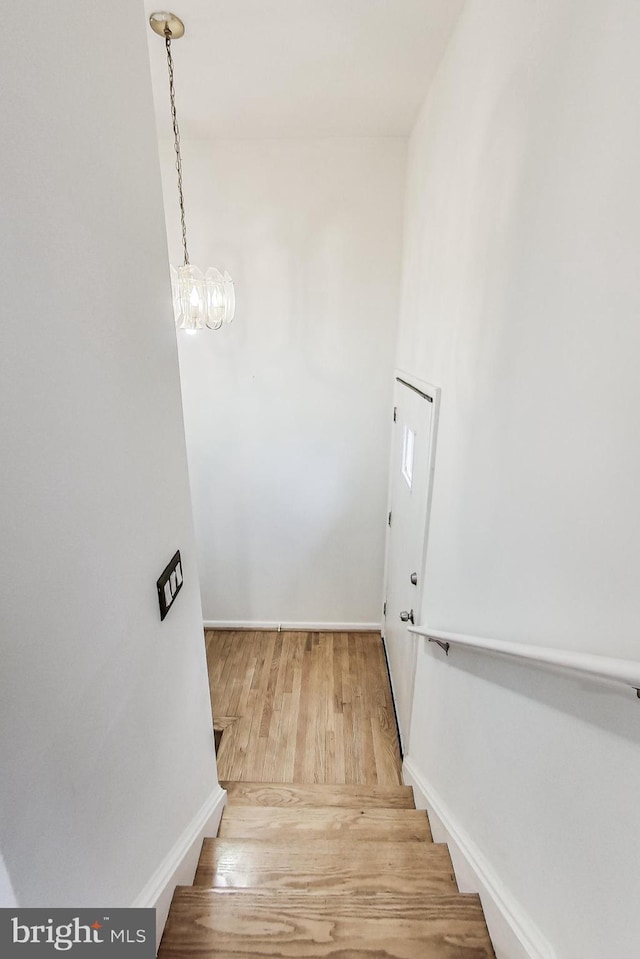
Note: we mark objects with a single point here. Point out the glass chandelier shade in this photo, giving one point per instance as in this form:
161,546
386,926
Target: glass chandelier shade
200,301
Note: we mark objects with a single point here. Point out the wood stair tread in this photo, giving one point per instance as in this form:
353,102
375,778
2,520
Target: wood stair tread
317,822
326,865
317,794
244,923
411,905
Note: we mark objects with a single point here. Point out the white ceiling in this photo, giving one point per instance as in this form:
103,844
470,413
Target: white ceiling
298,68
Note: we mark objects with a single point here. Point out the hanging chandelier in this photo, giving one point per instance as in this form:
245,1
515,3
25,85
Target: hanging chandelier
200,300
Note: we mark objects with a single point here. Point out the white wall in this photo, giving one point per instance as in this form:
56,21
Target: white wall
106,752
287,410
521,301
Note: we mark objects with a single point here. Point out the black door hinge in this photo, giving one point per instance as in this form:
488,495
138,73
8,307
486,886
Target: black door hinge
384,609
389,519
395,413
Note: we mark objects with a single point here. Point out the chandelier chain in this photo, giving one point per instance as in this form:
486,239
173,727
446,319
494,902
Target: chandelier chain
176,143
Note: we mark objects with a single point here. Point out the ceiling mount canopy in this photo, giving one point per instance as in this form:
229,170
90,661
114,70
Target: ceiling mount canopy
163,23
200,300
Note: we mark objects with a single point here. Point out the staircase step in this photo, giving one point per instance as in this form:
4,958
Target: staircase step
326,866
243,924
318,794
323,822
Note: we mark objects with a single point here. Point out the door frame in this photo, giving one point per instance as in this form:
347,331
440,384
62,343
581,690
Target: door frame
403,380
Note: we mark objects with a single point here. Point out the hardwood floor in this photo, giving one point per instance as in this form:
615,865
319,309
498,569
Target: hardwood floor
303,707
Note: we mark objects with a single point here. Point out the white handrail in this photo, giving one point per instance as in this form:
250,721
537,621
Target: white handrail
625,671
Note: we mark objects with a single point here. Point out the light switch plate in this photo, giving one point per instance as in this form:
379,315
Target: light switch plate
169,584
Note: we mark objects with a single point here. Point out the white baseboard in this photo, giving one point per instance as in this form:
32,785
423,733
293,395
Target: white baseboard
513,934
7,895
179,865
295,627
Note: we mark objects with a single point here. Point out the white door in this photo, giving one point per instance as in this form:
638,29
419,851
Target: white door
410,491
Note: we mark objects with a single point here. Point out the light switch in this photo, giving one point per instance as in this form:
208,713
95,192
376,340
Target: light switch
169,584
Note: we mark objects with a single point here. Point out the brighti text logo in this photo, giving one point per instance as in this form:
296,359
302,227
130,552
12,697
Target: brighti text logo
115,933
61,937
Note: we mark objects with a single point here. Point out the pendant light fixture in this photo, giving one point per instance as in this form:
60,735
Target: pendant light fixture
200,301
